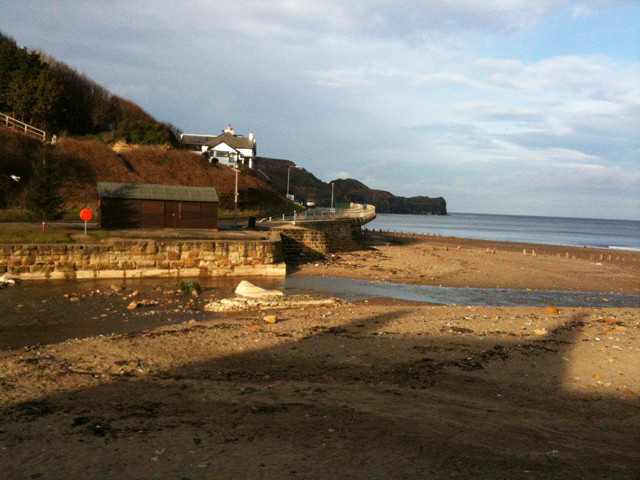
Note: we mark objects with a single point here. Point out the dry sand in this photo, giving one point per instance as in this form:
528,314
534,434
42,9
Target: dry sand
375,389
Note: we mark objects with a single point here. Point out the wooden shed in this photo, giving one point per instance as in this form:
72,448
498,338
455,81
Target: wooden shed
135,205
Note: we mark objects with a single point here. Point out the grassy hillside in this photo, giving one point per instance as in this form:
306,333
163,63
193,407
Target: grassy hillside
82,163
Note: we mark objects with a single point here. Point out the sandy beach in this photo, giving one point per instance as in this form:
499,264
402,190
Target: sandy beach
456,262
378,388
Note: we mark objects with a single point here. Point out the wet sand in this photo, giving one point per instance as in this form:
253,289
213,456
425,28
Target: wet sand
453,262
372,389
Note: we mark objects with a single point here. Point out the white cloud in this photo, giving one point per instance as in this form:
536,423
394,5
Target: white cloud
580,10
496,111
572,177
591,76
339,175
337,78
448,78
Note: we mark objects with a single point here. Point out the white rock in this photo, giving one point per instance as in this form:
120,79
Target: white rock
267,303
248,289
7,280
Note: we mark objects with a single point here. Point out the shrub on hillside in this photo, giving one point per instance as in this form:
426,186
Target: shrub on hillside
140,132
44,201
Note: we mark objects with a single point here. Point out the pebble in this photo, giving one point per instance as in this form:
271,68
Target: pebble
270,319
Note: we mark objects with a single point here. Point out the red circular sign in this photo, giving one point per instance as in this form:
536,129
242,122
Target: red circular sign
86,214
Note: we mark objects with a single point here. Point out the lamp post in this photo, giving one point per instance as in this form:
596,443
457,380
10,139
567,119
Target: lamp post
235,198
235,204
332,185
289,177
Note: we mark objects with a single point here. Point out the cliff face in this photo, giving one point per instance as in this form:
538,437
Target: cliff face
306,186
351,190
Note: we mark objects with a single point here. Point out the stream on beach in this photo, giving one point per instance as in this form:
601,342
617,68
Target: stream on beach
41,312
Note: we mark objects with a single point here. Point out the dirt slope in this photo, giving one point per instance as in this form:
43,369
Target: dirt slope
84,162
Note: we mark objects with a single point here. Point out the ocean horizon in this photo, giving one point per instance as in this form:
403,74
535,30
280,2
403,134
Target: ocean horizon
568,231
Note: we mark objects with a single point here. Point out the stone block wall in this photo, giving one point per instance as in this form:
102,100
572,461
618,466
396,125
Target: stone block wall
145,258
309,240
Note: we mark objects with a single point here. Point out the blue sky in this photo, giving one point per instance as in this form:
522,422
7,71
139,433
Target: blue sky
502,106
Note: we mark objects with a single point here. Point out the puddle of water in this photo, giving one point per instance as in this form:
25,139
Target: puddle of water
36,312
350,289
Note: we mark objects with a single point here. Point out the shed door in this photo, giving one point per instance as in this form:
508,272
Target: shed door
170,214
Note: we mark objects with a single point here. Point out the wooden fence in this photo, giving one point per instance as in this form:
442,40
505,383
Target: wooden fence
25,128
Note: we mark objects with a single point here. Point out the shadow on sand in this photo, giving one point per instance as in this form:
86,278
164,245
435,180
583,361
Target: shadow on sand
333,403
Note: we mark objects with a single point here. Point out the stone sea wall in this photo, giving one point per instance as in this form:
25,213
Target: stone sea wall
145,258
308,240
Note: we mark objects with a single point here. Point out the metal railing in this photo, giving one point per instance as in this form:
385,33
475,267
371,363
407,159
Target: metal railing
356,210
25,128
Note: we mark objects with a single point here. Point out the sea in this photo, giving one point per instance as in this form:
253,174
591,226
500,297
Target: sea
582,232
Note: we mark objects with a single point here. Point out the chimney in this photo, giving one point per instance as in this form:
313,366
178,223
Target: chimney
229,129
252,137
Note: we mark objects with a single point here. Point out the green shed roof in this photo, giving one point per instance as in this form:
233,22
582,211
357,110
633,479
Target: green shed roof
143,191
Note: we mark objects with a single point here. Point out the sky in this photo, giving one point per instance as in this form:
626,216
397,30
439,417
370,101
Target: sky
524,107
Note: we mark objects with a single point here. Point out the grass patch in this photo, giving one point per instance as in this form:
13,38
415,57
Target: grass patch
14,215
190,286
72,212
33,233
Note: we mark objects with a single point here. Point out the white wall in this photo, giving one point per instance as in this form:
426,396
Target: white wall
223,147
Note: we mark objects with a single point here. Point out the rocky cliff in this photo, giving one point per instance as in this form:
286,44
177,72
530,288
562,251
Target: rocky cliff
351,190
306,186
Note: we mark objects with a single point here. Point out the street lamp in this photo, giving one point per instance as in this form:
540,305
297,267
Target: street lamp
332,186
235,196
289,176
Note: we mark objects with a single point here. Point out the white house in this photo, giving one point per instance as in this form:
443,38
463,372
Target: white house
228,148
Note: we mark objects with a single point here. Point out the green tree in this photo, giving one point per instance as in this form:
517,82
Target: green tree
43,200
46,99
22,85
8,63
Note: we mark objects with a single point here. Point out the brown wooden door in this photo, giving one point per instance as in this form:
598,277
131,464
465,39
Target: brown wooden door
170,214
